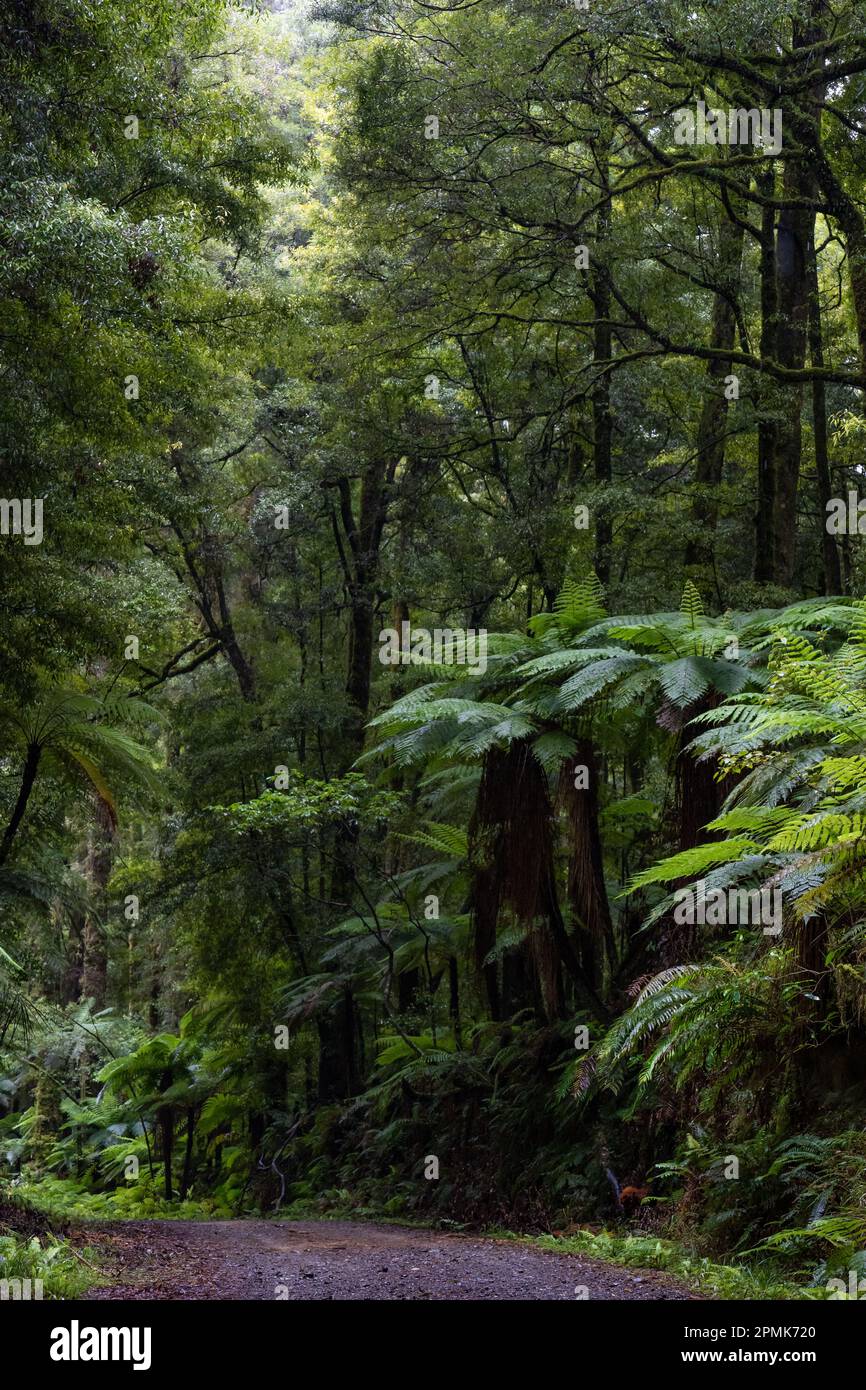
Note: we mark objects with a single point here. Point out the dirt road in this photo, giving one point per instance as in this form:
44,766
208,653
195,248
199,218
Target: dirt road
322,1260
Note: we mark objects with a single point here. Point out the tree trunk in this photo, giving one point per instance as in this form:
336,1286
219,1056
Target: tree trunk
454,999
186,1176
763,559
511,853
238,662
71,986
521,987
408,985
97,871
165,1120
28,778
587,893
602,420
364,538
697,801
710,462
794,240
830,564
358,549
338,1068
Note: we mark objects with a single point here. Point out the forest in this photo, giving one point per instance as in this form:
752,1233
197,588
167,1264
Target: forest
432,632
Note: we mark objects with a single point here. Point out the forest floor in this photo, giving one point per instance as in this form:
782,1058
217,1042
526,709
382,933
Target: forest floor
321,1260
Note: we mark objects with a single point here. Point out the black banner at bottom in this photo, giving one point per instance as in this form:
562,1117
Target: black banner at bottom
86,1340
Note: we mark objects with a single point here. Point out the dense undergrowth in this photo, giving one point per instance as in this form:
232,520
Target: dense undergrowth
726,1090
36,1259
307,903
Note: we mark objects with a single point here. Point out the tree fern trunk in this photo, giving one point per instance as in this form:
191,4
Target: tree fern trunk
28,779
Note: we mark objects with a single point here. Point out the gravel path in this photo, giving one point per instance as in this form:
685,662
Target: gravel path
320,1260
